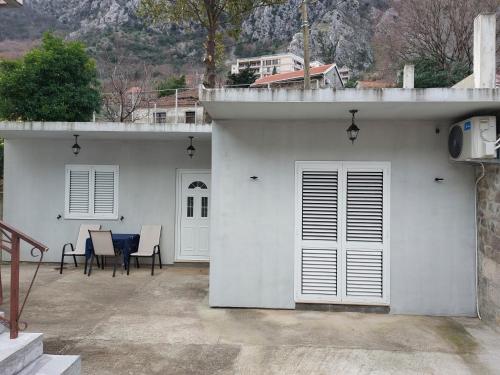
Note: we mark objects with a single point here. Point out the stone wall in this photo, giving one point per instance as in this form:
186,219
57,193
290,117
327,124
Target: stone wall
489,243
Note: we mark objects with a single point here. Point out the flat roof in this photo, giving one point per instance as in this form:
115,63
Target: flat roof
330,103
269,56
103,130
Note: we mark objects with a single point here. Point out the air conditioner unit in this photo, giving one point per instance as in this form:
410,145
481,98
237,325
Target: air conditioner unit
473,139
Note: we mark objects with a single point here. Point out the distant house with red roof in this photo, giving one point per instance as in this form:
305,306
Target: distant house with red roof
321,76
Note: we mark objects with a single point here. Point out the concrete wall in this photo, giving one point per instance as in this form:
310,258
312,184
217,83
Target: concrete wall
252,241
34,186
489,244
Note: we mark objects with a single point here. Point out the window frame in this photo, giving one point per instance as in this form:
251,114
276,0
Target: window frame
190,207
160,115
190,117
204,207
91,169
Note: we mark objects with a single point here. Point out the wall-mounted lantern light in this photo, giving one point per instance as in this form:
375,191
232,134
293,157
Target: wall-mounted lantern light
353,130
190,150
76,147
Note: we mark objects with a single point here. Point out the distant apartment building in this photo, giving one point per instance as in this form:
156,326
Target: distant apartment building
267,65
264,66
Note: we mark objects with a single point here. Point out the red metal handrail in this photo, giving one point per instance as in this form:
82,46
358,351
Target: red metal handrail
10,241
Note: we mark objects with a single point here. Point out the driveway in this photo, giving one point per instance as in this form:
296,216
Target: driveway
162,325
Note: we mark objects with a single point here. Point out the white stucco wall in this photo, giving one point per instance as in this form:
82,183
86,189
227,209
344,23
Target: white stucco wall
173,116
252,241
34,186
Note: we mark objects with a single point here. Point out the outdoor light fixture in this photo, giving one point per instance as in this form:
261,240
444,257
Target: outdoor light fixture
76,147
191,149
353,130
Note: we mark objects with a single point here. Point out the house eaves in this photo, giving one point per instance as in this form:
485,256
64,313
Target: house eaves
103,130
328,103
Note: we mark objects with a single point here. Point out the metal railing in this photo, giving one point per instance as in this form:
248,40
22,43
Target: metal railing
174,106
10,242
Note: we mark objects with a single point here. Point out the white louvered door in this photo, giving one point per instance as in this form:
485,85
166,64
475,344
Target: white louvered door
342,250
317,232
365,250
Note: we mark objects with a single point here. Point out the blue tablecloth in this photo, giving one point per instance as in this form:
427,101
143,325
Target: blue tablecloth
126,243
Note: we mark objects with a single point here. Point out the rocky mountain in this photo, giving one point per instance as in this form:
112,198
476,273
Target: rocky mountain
340,32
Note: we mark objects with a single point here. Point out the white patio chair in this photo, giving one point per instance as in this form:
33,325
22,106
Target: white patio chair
149,246
79,249
102,241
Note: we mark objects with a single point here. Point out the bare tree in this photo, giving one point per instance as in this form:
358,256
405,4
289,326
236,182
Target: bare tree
440,30
126,88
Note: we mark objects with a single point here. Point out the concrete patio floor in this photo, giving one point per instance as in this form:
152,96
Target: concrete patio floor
162,325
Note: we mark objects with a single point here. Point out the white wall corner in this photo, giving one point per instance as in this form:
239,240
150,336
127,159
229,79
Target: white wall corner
484,51
409,76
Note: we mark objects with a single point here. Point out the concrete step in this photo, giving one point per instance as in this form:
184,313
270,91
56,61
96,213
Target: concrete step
54,365
16,354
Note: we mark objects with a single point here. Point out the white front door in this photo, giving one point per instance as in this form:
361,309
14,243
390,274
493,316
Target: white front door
193,212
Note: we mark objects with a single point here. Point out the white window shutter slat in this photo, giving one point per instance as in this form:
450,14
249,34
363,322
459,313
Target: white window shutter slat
365,199
364,274
319,205
79,189
104,192
319,271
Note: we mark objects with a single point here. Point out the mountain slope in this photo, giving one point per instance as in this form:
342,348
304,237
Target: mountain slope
339,33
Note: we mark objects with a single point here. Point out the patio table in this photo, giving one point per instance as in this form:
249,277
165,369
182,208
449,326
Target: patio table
127,243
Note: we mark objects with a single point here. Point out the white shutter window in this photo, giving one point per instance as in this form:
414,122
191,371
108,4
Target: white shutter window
91,192
365,203
79,190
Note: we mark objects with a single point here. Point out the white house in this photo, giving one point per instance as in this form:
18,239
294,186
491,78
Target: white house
321,76
287,209
126,175
182,107
267,151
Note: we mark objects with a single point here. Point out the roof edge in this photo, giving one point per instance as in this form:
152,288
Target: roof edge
328,95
